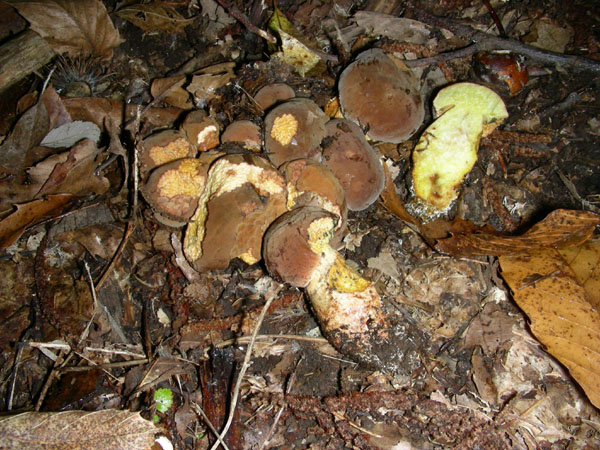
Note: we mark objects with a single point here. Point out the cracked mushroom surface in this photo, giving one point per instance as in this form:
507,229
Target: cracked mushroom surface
201,130
382,98
244,193
354,163
350,312
294,130
244,132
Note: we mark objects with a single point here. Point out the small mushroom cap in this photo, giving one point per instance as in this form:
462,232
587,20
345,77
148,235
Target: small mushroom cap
245,132
163,147
353,161
289,249
271,94
380,97
201,130
294,130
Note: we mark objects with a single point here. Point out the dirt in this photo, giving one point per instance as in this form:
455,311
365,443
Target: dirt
467,372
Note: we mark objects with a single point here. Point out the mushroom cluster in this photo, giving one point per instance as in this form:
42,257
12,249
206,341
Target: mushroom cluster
288,207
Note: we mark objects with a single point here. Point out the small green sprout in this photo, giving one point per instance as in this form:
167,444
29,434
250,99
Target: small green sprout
163,399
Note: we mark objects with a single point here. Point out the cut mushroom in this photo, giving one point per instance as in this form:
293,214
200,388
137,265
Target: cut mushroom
383,99
163,147
272,94
447,150
246,214
353,161
297,250
294,130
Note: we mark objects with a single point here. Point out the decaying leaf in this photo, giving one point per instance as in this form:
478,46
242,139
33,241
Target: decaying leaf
29,214
584,259
72,27
207,81
560,229
398,29
70,133
77,430
293,51
562,317
447,149
155,16
176,96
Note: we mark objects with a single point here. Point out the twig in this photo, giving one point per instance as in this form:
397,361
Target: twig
483,41
48,382
270,296
14,377
210,425
233,12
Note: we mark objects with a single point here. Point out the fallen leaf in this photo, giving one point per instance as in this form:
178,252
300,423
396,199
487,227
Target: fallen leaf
560,229
70,133
176,96
395,28
30,129
155,16
77,430
562,317
72,27
585,262
29,214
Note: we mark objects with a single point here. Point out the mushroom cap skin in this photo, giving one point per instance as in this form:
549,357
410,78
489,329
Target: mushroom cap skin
286,245
201,130
294,130
263,205
163,147
354,162
271,94
380,97
244,132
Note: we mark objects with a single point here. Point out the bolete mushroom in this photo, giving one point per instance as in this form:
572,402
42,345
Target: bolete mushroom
294,130
447,150
297,250
382,98
258,196
201,130
271,94
354,162
163,147
244,132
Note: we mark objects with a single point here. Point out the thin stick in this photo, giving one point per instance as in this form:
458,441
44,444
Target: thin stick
483,41
210,425
14,376
48,382
270,296
233,12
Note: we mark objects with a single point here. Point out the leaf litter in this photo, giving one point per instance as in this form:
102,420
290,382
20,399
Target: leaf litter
114,290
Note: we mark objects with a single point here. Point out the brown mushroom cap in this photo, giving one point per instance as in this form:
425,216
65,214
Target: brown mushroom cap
294,130
286,245
380,97
245,132
353,161
234,224
163,147
201,130
310,183
274,93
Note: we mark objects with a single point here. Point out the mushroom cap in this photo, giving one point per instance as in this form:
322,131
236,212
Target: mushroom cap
201,130
354,162
294,130
310,183
288,244
271,94
380,97
245,132
163,147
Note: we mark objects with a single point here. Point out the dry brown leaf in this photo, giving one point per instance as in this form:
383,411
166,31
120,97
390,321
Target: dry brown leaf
30,129
585,262
176,96
77,430
561,228
155,16
562,317
29,214
72,27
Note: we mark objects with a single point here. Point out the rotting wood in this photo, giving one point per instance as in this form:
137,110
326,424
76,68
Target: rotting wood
21,56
